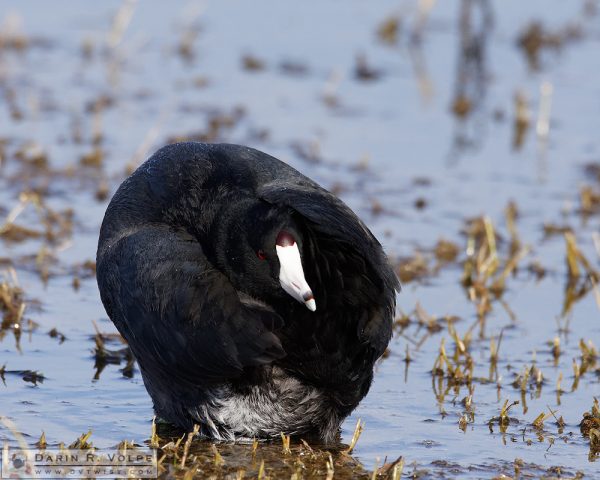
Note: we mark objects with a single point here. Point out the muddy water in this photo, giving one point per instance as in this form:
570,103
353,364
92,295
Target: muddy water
287,80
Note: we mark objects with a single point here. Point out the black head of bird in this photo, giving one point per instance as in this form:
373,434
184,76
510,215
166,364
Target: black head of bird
262,254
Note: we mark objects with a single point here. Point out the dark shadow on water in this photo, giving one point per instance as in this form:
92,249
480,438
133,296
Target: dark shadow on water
475,26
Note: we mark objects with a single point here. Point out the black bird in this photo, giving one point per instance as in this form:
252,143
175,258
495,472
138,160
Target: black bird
255,301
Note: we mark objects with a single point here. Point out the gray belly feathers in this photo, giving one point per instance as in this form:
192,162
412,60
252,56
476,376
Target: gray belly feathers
283,404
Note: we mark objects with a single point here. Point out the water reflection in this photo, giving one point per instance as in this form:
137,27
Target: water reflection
475,26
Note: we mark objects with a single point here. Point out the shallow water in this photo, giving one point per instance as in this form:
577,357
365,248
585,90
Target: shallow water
387,141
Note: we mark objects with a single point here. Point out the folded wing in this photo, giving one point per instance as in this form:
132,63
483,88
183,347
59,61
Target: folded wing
187,320
346,252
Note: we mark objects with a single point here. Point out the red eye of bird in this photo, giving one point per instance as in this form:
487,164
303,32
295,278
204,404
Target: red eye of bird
261,254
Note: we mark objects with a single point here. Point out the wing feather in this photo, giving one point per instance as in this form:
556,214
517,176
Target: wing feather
348,255
186,318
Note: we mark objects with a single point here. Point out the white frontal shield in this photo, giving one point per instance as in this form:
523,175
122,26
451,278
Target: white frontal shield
291,275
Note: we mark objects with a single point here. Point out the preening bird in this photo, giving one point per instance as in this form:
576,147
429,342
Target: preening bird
255,301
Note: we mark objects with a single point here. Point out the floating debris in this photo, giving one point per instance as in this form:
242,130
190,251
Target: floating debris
54,333
309,151
57,226
551,229
461,106
217,125
589,199
389,29
410,269
420,203
252,63
536,38
363,71
446,251
29,376
590,427
92,159
294,68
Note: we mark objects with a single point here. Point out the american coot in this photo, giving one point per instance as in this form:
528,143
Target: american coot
255,301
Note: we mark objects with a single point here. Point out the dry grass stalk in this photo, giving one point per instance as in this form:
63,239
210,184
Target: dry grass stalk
538,422
12,303
188,442
521,119
261,471
121,21
285,440
154,438
330,467
219,461
542,127
355,436
590,426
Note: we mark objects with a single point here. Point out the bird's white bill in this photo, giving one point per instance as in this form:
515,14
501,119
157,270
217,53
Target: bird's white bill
291,275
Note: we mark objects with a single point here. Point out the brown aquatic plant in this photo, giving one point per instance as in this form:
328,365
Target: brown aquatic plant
413,268
521,120
582,277
388,29
538,422
486,269
355,436
12,303
536,38
503,419
252,63
590,426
